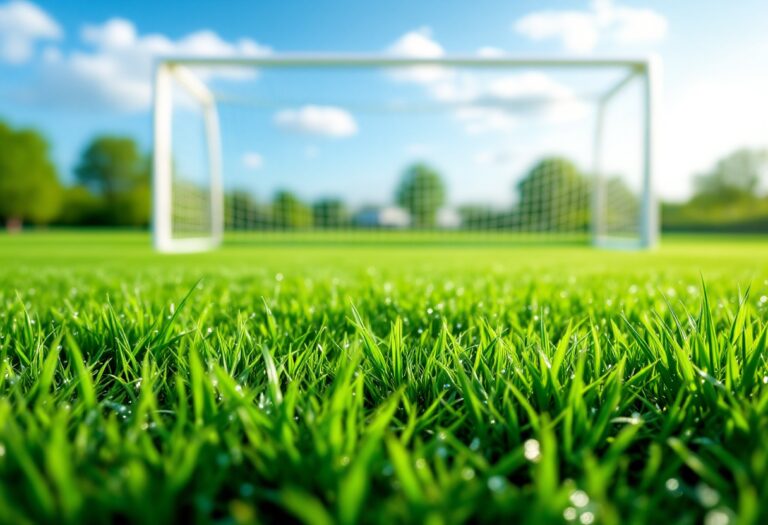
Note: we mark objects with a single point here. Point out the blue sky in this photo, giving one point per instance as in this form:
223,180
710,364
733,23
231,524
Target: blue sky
75,69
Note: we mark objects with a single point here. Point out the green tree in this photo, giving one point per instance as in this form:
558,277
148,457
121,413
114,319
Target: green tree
81,207
622,206
735,178
289,212
478,217
330,213
554,195
242,211
115,168
29,187
422,193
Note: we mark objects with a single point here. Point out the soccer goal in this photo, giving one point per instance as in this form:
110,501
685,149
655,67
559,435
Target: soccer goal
464,149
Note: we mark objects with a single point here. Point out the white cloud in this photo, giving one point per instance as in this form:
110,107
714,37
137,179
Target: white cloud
253,160
581,31
22,24
117,72
494,158
418,44
323,121
479,119
526,87
417,149
497,104
491,52
485,104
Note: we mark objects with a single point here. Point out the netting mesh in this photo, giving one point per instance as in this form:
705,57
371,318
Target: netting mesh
423,149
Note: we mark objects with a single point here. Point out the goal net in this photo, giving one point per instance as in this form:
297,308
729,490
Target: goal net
458,149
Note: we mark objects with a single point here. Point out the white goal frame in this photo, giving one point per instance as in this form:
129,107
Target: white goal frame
176,69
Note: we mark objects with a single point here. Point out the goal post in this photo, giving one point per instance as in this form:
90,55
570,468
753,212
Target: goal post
193,204
164,240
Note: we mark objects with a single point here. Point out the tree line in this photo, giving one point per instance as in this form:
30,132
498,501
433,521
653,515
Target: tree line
111,187
730,197
111,183
554,195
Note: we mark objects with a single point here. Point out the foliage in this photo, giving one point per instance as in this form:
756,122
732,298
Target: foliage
29,187
289,212
330,213
421,192
242,212
734,178
382,385
478,217
553,195
729,198
115,168
81,207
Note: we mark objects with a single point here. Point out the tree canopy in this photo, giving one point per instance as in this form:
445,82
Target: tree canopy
289,212
29,184
116,169
330,213
736,177
553,194
422,193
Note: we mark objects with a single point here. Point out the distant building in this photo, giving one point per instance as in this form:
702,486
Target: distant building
448,218
383,217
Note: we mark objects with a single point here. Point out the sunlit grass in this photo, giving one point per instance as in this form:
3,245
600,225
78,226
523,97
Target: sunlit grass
364,384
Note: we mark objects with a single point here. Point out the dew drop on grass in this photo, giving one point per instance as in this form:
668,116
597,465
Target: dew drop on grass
532,450
708,496
717,517
475,444
587,518
570,513
468,473
579,498
672,485
496,483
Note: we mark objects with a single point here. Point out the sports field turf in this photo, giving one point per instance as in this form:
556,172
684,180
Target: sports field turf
381,382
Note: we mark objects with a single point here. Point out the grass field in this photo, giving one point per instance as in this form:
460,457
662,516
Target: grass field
382,382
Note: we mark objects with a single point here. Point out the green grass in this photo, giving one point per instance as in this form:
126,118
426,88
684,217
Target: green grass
343,383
